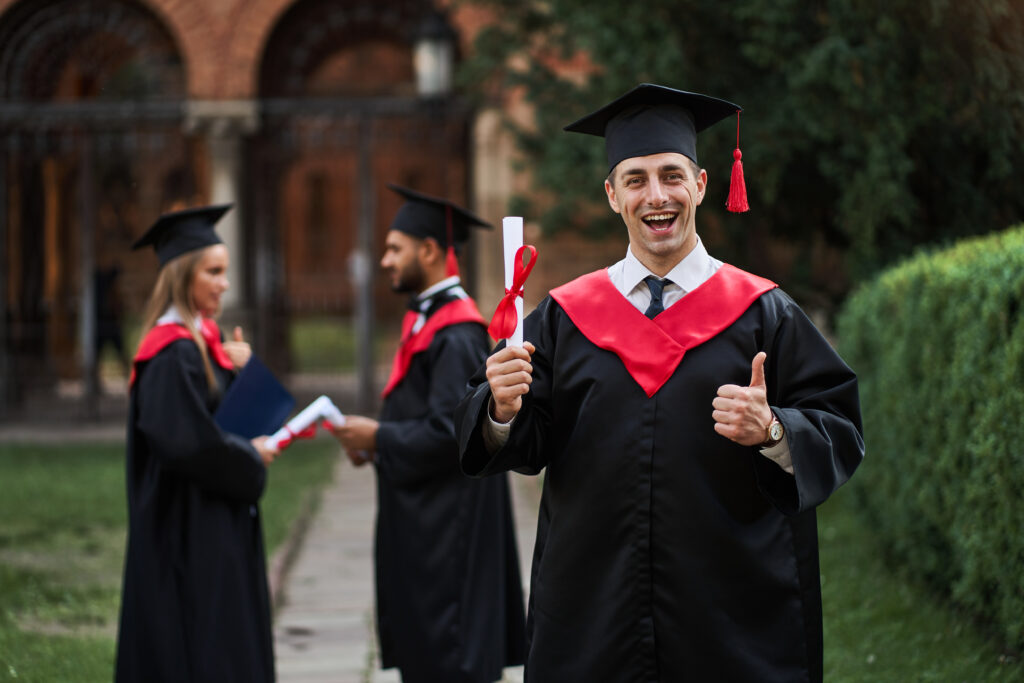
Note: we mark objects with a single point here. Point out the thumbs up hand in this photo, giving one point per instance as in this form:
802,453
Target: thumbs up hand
742,414
238,349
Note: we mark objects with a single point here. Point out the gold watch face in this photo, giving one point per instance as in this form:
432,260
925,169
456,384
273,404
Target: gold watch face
775,431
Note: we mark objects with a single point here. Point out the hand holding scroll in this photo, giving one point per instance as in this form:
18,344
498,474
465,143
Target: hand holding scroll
509,374
266,451
358,435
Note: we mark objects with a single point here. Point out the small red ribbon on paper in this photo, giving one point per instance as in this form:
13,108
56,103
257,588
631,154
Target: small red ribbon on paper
503,323
307,433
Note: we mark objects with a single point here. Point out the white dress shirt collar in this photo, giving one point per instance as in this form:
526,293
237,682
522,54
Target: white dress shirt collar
689,273
171,315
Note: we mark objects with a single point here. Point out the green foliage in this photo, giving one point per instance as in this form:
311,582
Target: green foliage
328,344
938,345
873,127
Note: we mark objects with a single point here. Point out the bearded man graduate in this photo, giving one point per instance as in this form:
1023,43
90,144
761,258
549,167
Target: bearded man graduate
690,418
449,593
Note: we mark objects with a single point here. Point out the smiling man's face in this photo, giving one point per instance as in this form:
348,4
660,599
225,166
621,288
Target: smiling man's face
657,196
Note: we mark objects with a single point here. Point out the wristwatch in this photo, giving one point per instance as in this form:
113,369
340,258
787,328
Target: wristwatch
775,433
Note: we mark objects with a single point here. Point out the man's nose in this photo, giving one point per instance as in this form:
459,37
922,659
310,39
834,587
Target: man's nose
656,194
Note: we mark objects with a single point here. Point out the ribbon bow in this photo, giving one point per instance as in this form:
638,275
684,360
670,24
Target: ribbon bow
503,323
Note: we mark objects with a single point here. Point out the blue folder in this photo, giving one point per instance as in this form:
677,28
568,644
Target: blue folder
255,404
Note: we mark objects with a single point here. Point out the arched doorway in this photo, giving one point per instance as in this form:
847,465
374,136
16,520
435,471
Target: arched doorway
91,109
340,119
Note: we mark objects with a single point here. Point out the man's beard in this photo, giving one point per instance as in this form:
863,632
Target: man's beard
410,280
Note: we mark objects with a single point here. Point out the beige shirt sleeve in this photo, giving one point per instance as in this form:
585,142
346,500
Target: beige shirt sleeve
494,433
780,455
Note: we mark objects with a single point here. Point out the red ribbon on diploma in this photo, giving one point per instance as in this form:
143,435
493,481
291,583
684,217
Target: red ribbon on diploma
503,324
307,433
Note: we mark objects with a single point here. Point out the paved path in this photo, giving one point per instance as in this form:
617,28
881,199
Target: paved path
323,627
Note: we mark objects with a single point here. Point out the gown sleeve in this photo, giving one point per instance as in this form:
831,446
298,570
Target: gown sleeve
814,394
418,448
177,425
524,451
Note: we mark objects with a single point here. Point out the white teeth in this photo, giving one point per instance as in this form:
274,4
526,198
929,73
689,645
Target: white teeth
660,217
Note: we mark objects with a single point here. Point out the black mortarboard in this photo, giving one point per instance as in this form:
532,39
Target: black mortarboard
424,216
179,232
652,119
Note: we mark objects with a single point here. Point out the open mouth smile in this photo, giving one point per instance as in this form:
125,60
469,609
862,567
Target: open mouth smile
660,222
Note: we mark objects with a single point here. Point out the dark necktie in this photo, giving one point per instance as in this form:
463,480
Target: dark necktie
656,286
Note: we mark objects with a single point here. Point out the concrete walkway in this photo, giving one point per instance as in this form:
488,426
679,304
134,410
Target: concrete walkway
323,627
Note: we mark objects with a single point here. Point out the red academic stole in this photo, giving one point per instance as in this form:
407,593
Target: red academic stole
161,335
452,313
651,350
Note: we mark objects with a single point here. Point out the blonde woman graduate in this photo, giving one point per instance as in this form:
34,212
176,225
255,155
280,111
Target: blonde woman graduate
195,604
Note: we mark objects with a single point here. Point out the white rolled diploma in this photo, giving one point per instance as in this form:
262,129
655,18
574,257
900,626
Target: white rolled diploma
512,233
321,408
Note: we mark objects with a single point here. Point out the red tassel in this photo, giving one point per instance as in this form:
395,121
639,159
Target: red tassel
451,263
737,201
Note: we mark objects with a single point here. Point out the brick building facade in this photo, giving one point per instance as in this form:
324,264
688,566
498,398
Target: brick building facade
297,111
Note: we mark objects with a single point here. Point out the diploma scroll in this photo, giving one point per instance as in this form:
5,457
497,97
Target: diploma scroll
320,409
512,233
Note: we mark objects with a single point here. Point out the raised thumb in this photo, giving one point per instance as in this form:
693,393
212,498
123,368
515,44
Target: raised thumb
238,334
757,370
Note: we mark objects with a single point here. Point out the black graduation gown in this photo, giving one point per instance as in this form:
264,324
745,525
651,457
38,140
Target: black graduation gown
664,551
449,592
195,604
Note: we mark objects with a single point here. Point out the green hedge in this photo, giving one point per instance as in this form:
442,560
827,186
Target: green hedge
938,346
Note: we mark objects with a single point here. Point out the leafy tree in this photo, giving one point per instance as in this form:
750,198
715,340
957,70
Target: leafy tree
869,127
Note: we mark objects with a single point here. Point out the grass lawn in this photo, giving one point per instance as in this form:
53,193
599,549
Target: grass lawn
62,535
62,516
882,628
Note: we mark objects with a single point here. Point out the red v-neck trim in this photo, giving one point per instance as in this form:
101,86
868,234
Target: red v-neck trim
452,313
651,350
160,336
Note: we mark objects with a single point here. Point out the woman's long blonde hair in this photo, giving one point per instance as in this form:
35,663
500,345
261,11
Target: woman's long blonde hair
174,286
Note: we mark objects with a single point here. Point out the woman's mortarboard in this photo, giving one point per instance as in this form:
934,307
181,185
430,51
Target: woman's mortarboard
653,119
180,232
423,216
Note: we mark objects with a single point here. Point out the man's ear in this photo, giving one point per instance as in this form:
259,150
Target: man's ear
702,185
609,190
431,251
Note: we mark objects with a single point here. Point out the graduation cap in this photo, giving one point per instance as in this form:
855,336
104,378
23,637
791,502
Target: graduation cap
652,119
179,232
424,216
